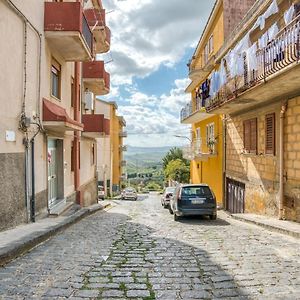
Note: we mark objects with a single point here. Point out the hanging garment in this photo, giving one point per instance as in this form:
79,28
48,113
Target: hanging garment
272,32
273,9
243,44
263,41
252,58
214,83
223,74
289,14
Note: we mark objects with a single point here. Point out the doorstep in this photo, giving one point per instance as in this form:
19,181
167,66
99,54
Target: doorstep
19,240
282,226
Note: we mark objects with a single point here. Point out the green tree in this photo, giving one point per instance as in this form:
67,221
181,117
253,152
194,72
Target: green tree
173,154
177,170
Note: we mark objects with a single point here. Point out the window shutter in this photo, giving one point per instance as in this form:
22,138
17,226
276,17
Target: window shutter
270,133
247,135
253,136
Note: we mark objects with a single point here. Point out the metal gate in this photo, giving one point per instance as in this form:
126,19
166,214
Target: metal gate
235,196
52,171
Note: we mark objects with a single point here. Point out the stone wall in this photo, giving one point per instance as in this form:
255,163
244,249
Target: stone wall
89,193
12,195
234,11
260,172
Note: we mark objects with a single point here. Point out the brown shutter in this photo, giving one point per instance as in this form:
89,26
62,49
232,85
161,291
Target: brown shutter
270,133
253,136
247,129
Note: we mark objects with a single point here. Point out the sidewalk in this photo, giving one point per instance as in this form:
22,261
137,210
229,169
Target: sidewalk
272,224
16,241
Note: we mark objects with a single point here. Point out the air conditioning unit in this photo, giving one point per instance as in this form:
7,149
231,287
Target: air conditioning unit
89,100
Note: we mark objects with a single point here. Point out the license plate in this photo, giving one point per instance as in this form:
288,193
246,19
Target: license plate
197,201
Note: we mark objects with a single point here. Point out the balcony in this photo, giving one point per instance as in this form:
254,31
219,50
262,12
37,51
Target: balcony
95,126
101,33
67,30
123,134
56,119
123,148
123,177
276,77
123,163
191,115
195,151
95,78
200,73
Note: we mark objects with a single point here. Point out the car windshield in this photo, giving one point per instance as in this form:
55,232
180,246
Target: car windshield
130,191
196,191
170,190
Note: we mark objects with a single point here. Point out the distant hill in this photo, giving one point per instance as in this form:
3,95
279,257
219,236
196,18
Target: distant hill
142,158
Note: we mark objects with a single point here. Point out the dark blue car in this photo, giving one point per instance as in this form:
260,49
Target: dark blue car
193,200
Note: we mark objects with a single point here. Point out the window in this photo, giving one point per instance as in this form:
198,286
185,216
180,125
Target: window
93,154
72,92
206,52
72,158
270,133
250,135
211,44
210,136
55,79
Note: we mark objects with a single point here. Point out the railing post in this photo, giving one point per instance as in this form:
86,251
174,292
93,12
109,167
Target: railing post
264,59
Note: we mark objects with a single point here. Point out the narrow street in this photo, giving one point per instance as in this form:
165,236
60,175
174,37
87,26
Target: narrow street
136,251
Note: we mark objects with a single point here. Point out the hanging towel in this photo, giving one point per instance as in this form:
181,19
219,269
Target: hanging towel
251,57
272,32
223,75
263,41
289,14
243,44
273,9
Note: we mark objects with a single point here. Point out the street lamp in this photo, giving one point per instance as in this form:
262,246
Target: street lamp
183,136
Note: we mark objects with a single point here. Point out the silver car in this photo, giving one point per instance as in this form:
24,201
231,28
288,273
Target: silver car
166,196
129,193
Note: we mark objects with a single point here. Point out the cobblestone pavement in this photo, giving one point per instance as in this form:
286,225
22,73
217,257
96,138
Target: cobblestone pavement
136,251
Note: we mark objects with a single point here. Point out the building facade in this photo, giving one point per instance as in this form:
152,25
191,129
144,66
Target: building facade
207,138
260,99
110,150
48,125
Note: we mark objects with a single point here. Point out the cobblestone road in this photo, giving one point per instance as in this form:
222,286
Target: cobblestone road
136,251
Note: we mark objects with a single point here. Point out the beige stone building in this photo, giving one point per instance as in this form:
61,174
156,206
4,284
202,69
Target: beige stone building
110,150
47,121
259,68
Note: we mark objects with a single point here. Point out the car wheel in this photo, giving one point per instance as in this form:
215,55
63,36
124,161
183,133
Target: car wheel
176,218
213,217
170,210
135,199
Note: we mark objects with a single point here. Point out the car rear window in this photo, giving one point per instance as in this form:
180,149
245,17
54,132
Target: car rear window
170,190
196,191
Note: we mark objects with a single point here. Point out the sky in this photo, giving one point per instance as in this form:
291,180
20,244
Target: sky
152,41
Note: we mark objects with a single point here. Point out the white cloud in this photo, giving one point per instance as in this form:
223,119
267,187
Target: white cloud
149,33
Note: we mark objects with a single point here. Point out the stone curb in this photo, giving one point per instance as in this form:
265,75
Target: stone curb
22,246
268,226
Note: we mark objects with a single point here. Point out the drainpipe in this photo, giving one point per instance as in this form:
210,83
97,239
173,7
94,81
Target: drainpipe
224,160
77,66
281,161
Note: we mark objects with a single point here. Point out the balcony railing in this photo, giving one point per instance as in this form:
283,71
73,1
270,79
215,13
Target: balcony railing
196,151
67,30
123,134
123,163
95,125
275,58
123,148
203,68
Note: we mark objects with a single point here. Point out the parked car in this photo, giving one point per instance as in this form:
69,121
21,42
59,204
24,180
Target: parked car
166,196
101,192
129,193
193,199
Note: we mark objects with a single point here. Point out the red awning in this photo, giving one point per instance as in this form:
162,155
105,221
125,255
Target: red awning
55,113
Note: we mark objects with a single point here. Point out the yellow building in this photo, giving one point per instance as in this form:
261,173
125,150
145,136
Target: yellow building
206,149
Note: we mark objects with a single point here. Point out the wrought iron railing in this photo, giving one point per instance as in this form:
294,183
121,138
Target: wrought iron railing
280,53
196,150
86,32
189,109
